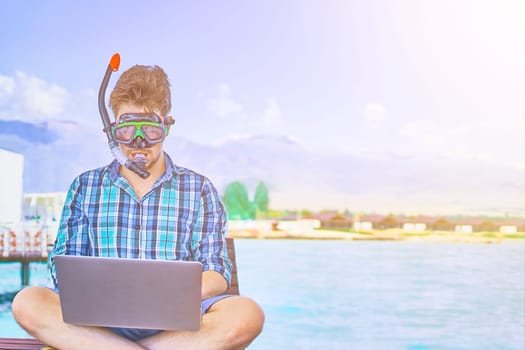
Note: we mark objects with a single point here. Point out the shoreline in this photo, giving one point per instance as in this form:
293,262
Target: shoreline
386,235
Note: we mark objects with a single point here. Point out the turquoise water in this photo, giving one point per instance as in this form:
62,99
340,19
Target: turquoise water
371,295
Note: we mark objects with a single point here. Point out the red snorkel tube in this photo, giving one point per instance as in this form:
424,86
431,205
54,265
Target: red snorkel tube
113,66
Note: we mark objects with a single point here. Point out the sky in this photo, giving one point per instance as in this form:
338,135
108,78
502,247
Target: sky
367,78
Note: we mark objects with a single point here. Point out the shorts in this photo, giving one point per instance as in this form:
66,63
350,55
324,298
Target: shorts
135,334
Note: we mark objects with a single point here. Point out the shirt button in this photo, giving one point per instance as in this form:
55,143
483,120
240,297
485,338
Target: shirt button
137,227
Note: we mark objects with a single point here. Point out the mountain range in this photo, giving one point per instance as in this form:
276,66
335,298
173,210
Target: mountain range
297,177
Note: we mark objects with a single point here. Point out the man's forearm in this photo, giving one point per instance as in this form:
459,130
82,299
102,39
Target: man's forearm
213,284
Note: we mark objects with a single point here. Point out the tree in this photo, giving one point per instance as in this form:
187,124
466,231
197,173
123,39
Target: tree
488,226
306,214
442,224
237,202
261,198
389,222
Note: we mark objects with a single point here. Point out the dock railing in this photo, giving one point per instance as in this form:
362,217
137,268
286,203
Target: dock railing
24,239
24,243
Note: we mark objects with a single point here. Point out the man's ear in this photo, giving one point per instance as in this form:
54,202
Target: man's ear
168,121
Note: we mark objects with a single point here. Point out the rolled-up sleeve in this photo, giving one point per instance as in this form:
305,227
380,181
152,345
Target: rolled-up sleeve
210,231
72,234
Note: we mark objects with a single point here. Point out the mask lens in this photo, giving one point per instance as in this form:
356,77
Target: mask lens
125,133
153,133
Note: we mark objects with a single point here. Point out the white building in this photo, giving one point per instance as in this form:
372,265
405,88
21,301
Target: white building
294,226
414,227
464,229
363,226
43,207
11,186
508,229
299,226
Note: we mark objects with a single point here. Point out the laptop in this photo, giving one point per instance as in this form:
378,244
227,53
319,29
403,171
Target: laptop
130,293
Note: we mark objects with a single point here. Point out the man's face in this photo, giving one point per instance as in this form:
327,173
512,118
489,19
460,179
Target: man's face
153,154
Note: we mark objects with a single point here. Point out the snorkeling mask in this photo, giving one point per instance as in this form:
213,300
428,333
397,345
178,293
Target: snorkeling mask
141,130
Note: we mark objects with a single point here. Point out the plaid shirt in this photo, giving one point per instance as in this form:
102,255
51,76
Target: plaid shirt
180,218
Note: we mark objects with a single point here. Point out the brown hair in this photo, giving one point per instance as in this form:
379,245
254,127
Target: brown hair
145,86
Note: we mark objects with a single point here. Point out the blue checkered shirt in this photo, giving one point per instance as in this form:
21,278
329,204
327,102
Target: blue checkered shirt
180,218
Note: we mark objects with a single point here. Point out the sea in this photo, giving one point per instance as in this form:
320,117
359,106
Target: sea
368,294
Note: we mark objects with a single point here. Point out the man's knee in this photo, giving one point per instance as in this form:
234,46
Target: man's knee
250,321
26,307
20,306
256,316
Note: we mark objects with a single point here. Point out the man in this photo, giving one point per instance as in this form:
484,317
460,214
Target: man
174,213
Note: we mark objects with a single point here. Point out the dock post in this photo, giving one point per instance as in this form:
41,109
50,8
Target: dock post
24,273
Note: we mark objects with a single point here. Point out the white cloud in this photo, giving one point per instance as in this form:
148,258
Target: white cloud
7,86
32,99
38,97
223,104
28,97
375,114
374,109
424,133
490,142
245,119
272,113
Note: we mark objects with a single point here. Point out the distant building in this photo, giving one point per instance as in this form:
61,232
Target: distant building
508,229
43,207
11,186
414,227
463,229
299,226
333,219
363,226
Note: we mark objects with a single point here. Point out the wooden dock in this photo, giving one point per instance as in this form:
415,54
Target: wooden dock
25,260
26,244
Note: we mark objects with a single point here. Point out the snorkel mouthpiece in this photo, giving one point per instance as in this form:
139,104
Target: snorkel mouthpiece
140,170
140,160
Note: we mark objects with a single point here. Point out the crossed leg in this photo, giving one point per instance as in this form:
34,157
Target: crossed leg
231,323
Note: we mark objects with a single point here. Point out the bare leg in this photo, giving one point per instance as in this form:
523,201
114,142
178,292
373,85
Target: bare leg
230,323
38,311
